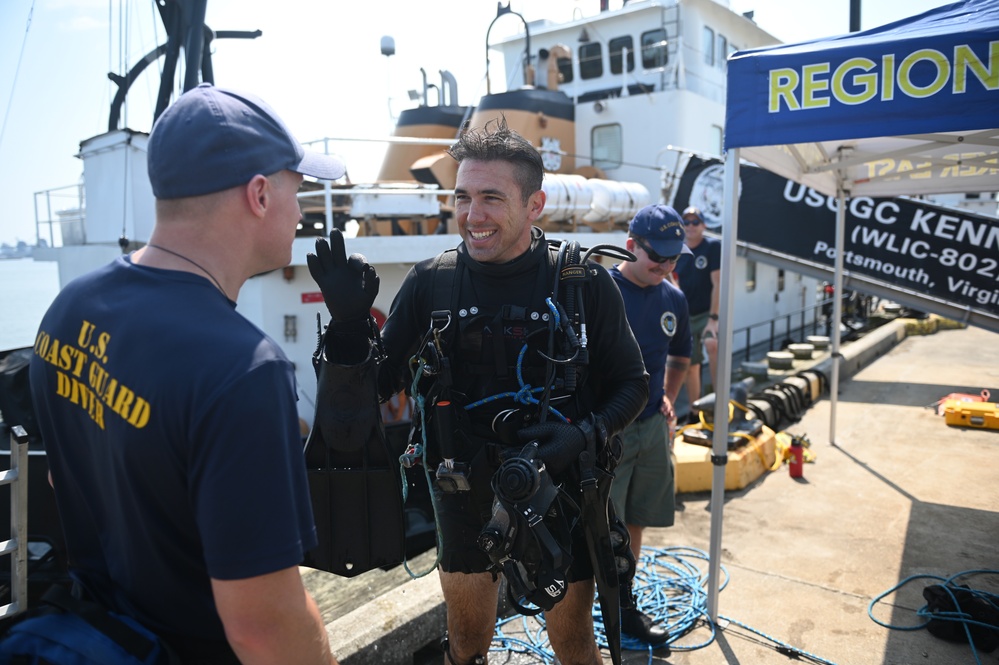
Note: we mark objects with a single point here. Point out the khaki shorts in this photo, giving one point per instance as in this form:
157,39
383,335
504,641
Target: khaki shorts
698,322
644,490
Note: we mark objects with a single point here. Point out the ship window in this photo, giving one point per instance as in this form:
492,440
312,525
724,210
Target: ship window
708,45
780,279
654,53
591,63
722,50
616,46
605,146
564,70
750,276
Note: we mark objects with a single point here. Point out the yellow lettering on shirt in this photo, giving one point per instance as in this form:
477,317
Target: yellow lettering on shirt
98,390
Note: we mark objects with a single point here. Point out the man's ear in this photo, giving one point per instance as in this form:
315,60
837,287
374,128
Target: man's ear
536,204
258,193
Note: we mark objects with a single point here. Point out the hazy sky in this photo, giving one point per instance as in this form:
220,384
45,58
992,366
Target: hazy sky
318,64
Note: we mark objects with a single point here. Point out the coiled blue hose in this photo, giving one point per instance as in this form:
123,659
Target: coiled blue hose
670,586
960,617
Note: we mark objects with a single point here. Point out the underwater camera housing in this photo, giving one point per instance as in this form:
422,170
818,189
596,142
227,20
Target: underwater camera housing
517,479
528,535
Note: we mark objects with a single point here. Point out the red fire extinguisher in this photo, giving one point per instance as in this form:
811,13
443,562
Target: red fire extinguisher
797,462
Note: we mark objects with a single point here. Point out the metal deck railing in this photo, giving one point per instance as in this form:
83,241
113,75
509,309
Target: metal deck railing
16,477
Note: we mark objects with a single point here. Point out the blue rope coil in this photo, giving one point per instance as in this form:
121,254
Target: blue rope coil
670,586
924,613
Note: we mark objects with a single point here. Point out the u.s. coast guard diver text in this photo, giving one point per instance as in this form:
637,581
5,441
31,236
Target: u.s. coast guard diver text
82,379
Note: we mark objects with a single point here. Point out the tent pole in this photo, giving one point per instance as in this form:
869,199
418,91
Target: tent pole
837,306
723,375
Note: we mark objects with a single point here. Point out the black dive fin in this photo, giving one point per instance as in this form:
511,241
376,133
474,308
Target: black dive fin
595,484
347,409
354,477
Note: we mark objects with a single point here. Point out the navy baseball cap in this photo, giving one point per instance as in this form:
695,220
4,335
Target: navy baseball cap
693,211
662,228
212,139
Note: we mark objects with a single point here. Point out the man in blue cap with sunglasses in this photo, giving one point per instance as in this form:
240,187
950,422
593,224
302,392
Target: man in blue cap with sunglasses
644,488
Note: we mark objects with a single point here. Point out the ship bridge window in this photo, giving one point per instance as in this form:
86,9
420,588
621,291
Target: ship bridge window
654,53
591,62
750,276
708,45
605,146
722,50
564,69
616,46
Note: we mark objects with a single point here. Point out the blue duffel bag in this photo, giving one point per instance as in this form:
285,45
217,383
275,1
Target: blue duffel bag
71,631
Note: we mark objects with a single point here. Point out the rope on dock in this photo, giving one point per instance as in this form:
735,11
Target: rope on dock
962,606
671,587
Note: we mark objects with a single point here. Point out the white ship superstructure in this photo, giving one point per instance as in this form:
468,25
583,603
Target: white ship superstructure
616,102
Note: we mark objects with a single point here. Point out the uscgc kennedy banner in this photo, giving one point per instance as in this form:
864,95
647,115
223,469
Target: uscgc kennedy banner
948,254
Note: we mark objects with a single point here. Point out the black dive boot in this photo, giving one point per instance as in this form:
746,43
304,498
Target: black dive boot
449,659
637,624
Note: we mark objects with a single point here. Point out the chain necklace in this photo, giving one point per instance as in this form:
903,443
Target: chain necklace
193,263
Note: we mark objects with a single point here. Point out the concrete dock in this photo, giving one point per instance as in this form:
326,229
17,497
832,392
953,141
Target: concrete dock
899,493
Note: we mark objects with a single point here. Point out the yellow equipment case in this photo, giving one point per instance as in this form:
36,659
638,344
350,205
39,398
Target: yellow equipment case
960,413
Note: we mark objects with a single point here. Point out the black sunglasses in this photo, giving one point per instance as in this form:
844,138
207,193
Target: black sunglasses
655,258
691,222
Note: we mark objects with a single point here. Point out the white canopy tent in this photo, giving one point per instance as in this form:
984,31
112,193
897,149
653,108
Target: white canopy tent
910,108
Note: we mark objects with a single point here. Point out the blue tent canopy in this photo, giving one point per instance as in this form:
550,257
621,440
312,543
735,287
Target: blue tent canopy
909,107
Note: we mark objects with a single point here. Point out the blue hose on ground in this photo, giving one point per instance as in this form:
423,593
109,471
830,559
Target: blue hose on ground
671,587
960,615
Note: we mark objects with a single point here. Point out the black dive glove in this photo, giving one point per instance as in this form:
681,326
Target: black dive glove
559,443
349,286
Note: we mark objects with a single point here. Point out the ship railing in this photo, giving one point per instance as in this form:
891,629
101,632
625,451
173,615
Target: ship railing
333,207
60,215
401,140
16,477
378,209
398,189
764,336
755,340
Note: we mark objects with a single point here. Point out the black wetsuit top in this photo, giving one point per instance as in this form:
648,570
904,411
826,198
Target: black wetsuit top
501,307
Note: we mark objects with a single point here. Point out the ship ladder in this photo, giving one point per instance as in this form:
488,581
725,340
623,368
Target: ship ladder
17,545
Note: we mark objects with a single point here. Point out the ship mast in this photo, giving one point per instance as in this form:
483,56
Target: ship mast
184,21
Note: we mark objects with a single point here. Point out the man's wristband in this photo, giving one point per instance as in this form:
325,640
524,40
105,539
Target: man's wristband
713,317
